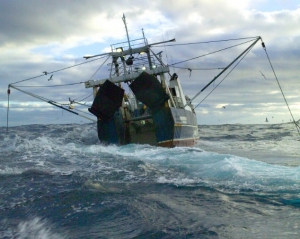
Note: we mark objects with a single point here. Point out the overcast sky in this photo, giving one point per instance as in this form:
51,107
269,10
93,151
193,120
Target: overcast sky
39,36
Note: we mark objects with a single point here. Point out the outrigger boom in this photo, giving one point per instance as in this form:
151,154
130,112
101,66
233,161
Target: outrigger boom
134,50
226,68
51,102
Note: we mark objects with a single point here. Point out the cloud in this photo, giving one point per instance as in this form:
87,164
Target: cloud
39,36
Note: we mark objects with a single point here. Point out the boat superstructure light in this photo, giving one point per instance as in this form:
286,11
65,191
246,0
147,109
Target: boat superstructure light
119,49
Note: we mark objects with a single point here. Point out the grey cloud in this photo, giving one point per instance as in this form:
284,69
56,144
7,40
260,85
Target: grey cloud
28,25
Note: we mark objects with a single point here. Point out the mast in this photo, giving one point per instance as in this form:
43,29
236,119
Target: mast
120,64
124,20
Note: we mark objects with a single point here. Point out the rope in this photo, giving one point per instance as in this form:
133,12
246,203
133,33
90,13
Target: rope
297,126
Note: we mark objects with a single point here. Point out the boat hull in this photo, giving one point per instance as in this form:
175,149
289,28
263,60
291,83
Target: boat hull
165,127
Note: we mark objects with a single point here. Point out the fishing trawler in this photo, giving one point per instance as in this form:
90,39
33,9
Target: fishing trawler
140,101
153,111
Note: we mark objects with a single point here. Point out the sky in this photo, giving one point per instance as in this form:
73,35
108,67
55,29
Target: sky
38,36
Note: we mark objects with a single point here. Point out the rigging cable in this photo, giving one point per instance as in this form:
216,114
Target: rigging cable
91,79
51,102
57,70
199,69
227,67
297,126
99,68
84,97
224,77
39,86
8,93
205,42
226,48
62,84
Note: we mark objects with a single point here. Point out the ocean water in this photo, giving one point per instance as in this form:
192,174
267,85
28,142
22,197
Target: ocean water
239,181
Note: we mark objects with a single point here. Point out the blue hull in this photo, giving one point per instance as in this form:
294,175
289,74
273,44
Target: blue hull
166,127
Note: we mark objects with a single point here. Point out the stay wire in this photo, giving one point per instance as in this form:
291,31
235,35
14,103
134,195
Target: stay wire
226,48
205,42
38,97
297,126
62,84
99,68
8,92
224,77
85,97
57,70
199,69
89,80
41,86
